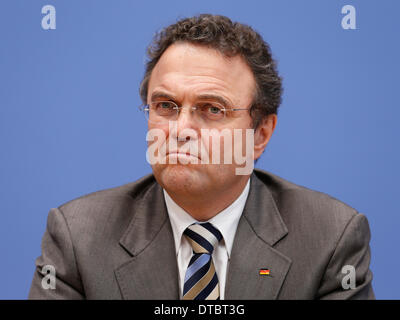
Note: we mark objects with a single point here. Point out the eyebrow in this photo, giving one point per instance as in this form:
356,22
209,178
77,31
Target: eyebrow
207,96
163,95
214,97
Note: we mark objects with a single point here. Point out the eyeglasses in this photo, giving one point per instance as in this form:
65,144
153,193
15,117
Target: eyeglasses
204,111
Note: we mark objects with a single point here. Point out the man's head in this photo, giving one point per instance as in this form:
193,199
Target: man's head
210,59
231,39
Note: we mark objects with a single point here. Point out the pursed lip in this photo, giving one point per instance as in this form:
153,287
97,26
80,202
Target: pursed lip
177,152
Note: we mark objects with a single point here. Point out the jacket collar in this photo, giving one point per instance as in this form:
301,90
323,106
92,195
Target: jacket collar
260,228
152,272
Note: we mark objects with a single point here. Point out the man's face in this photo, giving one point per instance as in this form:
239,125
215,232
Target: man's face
184,73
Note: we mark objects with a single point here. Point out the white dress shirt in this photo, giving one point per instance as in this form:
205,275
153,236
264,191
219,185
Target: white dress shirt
226,221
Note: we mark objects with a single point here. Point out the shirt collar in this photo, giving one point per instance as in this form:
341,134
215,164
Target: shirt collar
226,221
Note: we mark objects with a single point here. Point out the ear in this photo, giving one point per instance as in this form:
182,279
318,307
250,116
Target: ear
263,134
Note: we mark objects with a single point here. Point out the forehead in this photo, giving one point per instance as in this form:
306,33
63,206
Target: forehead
186,69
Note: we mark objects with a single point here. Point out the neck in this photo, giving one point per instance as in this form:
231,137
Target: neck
209,204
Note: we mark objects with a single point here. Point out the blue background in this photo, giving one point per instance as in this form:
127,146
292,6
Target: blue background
69,123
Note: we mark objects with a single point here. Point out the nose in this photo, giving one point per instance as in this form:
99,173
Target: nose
186,125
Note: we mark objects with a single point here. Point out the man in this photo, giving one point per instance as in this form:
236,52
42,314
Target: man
196,228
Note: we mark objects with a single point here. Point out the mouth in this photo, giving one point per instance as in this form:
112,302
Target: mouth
184,155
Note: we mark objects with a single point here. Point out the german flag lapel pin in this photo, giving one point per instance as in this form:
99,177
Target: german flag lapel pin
265,272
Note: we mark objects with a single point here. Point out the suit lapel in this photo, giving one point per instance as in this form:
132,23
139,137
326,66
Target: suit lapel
260,227
152,272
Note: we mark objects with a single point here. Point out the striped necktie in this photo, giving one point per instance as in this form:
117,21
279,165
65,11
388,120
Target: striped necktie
201,281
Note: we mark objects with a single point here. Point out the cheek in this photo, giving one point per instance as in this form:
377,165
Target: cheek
231,147
157,130
218,146
163,127
156,138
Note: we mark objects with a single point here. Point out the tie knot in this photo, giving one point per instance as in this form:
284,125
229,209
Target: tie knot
203,237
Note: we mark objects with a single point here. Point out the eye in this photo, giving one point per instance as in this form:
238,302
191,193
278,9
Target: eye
214,109
164,105
211,111
164,108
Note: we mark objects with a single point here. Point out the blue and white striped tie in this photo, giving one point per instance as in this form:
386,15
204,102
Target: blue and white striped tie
201,281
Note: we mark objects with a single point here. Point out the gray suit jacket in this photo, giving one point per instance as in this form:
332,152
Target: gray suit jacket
118,244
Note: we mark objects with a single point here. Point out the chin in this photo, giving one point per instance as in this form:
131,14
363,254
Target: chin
178,178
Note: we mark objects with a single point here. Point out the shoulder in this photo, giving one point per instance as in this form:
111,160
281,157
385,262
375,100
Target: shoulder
302,208
111,197
105,210
323,235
